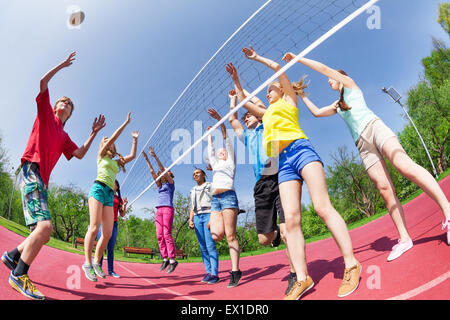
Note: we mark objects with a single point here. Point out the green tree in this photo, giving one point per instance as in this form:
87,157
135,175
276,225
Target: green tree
70,212
349,185
444,16
437,65
430,109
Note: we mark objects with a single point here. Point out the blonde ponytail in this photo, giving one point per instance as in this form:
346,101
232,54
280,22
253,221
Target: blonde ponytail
300,86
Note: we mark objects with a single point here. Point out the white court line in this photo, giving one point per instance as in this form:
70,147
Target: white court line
155,284
423,288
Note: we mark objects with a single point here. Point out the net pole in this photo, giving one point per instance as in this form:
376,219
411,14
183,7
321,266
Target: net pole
190,83
311,47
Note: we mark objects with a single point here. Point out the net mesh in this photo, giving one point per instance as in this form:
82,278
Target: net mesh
278,27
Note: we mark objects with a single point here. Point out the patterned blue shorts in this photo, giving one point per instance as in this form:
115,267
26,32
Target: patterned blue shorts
34,194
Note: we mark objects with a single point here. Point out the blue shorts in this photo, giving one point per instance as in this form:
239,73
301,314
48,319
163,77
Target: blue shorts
224,200
102,193
294,158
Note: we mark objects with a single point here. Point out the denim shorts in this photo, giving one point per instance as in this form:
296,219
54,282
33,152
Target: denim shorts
102,193
294,158
224,200
34,194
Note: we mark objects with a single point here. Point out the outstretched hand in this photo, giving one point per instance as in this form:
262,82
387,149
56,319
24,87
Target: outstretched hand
250,53
128,118
135,134
152,152
214,114
99,123
288,57
232,94
69,60
232,71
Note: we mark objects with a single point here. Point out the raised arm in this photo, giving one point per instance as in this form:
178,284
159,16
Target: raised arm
46,79
323,69
256,109
214,114
114,136
320,112
235,123
211,151
160,165
132,155
152,171
99,123
289,92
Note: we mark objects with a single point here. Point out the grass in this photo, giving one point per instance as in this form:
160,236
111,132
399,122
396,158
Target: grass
119,255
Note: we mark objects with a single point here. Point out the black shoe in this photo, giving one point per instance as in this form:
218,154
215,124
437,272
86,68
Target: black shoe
234,279
291,281
172,267
10,263
164,265
276,242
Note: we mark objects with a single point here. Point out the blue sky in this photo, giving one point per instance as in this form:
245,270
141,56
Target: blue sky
139,55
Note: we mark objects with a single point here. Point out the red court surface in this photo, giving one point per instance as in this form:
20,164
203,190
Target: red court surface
421,273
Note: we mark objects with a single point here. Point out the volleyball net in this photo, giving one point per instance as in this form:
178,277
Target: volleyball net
277,27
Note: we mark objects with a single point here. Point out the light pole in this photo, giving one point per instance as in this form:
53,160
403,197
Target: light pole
396,97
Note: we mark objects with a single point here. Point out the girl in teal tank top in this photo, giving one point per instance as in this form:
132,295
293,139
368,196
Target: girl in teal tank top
369,131
101,198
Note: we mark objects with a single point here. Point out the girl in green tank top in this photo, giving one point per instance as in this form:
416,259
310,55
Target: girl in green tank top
352,107
101,199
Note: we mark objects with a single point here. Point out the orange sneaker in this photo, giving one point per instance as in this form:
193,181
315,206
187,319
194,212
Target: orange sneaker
299,289
351,280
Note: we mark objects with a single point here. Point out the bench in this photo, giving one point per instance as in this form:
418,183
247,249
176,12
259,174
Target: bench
139,251
180,254
81,242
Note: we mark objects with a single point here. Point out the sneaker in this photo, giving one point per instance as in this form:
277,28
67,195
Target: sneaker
24,286
89,272
399,249
299,288
206,278
172,267
351,280
113,274
164,265
446,224
276,242
213,279
10,263
234,279
291,281
98,270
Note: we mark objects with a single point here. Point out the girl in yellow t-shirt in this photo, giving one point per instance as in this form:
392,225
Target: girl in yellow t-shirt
298,162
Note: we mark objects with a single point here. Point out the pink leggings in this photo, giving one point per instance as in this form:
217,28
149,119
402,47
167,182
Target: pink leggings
164,222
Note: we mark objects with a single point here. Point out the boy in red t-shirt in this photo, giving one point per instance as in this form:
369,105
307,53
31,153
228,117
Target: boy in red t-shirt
47,142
